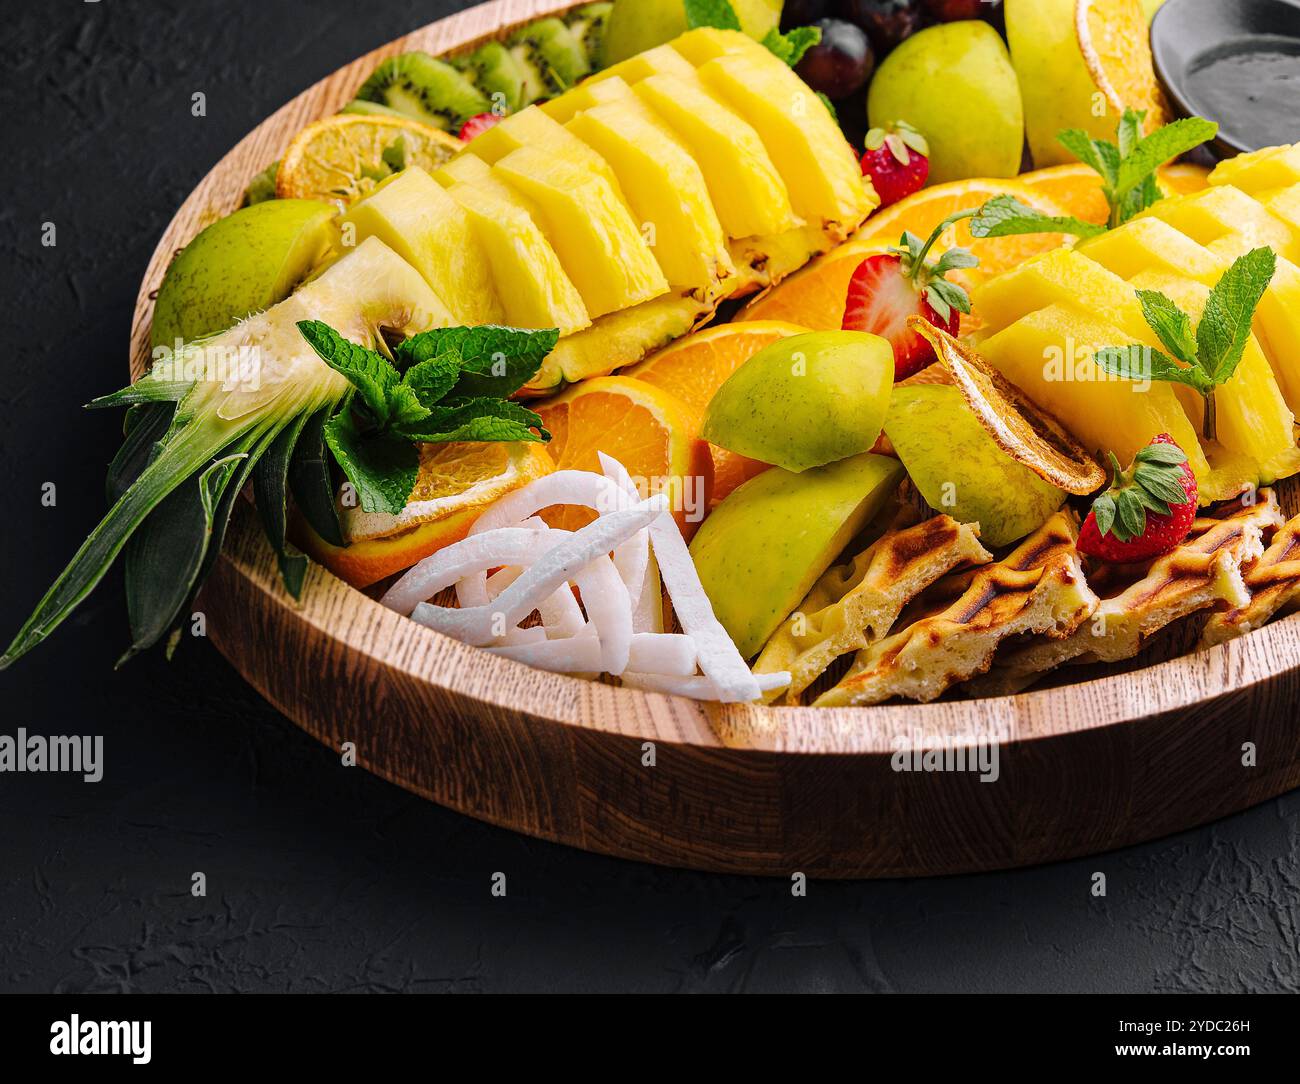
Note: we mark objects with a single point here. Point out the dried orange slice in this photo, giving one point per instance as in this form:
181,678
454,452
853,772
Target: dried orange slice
650,431
456,483
695,367
1023,430
341,159
1115,41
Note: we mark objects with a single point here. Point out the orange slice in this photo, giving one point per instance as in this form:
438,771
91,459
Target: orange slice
1115,41
341,159
695,367
455,485
1077,189
650,431
814,297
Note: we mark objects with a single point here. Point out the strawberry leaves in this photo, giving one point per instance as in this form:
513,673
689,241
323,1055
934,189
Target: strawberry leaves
1154,484
1210,356
943,296
450,384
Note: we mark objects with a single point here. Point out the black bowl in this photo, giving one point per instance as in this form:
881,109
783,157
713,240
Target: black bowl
1236,62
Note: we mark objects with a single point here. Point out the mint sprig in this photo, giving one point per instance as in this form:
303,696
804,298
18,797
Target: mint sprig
715,13
1128,170
1154,484
1208,357
453,384
791,46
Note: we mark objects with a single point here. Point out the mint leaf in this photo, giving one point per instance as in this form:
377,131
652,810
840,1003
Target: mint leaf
382,469
478,419
715,13
1226,323
1005,216
1097,154
1130,130
1161,146
1146,363
431,380
495,361
370,373
791,47
1171,324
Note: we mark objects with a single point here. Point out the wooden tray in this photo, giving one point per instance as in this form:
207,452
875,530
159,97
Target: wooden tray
1084,768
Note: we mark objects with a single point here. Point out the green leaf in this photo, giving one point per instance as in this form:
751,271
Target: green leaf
432,380
1165,455
956,259
1006,216
369,372
405,406
715,13
1130,515
147,424
1130,130
1103,508
1163,483
478,419
1097,154
1170,323
495,361
1145,195
1161,146
790,47
953,296
312,482
382,469
270,491
1226,322
144,390
1144,363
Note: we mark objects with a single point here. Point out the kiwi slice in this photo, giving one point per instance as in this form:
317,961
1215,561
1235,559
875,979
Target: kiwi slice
373,109
496,71
425,89
551,56
587,25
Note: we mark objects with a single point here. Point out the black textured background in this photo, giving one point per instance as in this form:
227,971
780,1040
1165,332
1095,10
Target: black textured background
324,878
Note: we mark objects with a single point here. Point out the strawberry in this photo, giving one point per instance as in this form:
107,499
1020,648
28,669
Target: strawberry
886,289
897,161
1148,509
478,124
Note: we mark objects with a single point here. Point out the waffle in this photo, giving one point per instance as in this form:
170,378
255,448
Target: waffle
1274,585
1201,573
856,604
1038,588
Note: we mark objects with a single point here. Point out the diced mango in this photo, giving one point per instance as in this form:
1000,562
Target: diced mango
1148,244
1225,211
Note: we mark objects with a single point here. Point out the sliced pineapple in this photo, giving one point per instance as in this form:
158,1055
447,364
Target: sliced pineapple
619,339
1260,171
532,128
412,214
1049,355
661,60
1226,211
587,96
1254,421
534,290
1149,244
590,228
666,191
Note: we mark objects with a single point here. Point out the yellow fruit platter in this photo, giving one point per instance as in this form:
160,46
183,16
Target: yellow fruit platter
646,457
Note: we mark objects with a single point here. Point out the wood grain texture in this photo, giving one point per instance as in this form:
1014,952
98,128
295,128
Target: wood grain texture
1083,768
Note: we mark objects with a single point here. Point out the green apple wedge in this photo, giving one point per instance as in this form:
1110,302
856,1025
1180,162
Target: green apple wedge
805,401
241,264
955,84
762,549
959,469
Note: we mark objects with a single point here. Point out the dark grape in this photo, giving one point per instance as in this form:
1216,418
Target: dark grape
840,63
952,11
803,12
887,22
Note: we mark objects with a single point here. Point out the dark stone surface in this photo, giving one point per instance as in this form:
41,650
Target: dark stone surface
324,878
